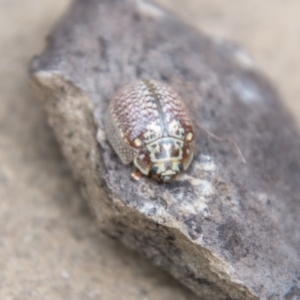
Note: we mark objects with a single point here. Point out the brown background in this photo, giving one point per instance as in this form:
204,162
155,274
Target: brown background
50,247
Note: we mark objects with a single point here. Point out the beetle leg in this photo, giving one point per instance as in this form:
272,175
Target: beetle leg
136,175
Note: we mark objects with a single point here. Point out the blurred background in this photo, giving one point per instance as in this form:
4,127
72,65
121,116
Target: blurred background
50,247
269,31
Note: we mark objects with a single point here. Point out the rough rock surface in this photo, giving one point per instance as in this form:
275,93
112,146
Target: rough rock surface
50,246
226,230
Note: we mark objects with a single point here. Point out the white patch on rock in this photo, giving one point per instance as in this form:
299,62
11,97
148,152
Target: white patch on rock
243,58
246,91
204,190
205,186
101,135
263,198
65,274
148,207
149,9
235,52
206,163
193,208
199,239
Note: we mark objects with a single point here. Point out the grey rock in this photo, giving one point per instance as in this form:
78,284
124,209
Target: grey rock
225,229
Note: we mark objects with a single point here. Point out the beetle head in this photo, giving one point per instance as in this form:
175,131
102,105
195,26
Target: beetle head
163,159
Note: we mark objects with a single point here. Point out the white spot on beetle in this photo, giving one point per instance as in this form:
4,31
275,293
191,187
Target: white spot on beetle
189,137
137,142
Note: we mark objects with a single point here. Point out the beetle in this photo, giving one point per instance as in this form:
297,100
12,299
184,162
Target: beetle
147,123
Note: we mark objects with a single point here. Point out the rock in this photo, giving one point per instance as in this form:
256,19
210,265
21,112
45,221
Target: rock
225,229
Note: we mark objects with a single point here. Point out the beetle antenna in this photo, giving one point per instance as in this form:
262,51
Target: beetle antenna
225,140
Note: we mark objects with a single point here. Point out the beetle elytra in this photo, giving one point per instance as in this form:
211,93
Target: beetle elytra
148,124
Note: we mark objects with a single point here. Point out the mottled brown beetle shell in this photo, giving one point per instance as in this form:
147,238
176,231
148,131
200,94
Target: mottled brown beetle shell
147,123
